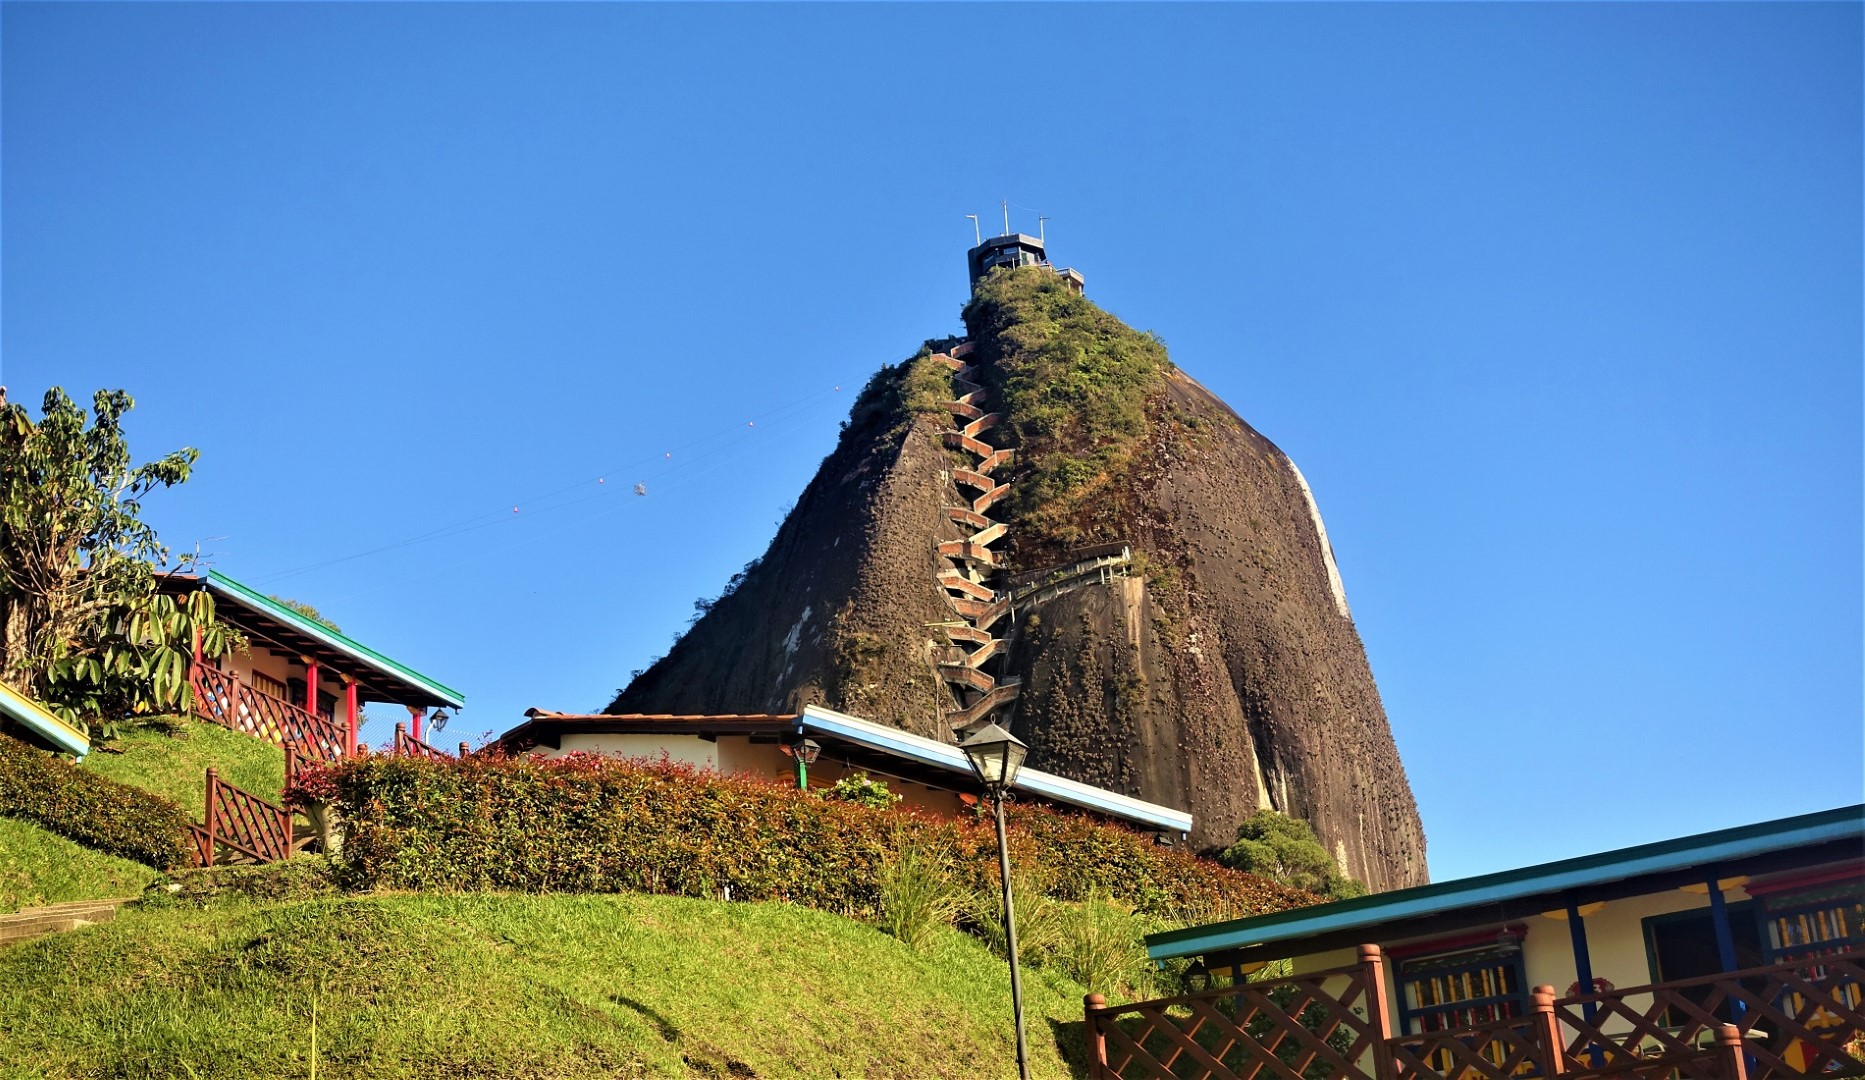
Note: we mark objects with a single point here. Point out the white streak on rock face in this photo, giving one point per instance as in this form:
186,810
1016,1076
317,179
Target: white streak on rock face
791,641
1327,549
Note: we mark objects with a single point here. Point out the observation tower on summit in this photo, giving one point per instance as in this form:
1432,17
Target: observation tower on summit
1014,249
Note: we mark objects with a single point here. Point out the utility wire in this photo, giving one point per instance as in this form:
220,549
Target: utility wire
580,522
493,517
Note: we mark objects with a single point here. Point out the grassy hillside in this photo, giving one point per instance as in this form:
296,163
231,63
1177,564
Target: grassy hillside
170,756
38,867
167,756
547,988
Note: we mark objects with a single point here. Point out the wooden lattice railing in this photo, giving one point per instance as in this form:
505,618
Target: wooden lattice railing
1331,1021
412,747
243,824
1790,1020
1795,1019
1519,1046
227,701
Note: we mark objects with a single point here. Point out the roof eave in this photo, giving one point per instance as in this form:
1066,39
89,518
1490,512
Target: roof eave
431,691
1642,860
30,714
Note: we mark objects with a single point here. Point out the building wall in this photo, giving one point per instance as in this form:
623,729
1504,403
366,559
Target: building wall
688,749
281,668
1615,946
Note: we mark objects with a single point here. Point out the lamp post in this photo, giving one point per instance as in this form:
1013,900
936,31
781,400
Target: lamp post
996,755
805,752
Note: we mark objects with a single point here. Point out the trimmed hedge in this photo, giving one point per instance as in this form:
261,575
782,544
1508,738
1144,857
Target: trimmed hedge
583,823
82,806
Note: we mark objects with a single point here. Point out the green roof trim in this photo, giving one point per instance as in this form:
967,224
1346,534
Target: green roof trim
22,710
363,654
1373,910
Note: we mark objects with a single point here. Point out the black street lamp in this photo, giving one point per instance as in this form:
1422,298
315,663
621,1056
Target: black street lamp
805,752
996,755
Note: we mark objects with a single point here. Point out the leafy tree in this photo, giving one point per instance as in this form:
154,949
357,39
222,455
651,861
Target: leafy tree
1286,850
82,627
309,612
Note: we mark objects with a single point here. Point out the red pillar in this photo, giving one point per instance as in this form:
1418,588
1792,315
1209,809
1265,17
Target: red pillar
351,717
416,715
310,686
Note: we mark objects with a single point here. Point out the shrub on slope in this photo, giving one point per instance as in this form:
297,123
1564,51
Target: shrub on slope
99,813
582,823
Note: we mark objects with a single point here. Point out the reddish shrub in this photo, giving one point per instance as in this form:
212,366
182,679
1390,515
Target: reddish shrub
583,823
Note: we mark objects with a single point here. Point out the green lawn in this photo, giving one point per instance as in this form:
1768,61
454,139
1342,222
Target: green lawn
540,987
38,867
170,756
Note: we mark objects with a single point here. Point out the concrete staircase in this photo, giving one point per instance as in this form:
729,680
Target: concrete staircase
38,922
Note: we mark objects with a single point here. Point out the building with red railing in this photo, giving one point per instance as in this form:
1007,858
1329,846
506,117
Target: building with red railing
1733,953
300,683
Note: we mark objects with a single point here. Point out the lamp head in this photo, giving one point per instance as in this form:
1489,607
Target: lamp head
995,756
804,750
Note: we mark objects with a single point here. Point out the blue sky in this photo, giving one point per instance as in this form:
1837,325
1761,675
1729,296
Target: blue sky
1557,307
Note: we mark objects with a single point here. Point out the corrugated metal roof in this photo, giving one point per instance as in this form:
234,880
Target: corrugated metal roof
884,739
948,756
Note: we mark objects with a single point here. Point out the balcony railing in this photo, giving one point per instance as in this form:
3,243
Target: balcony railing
1800,1019
227,701
409,746
1796,1019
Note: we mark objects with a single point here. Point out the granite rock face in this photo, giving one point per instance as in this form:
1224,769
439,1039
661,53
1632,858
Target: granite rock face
1219,672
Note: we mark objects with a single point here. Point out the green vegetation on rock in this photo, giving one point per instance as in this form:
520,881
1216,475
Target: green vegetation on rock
899,393
538,987
38,867
1285,849
1073,383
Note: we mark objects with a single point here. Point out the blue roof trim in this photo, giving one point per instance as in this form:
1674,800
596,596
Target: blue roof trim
1805,830
942,755
29,713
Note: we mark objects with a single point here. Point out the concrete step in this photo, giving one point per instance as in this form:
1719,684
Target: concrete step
56,918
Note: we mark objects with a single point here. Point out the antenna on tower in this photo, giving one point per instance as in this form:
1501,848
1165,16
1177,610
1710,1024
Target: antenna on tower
976,234
1039,229
1006,203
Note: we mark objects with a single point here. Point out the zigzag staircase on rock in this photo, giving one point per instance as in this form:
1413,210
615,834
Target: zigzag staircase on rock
970,658
970,655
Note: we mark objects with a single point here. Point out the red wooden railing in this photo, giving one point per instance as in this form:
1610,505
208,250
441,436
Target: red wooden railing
242,823
1520,1046
1334,1021
1797,1020
227,701
412,747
